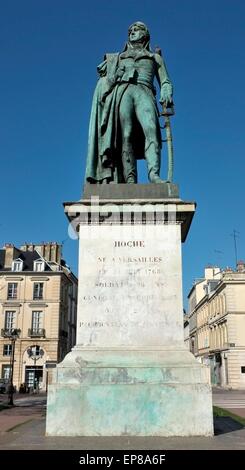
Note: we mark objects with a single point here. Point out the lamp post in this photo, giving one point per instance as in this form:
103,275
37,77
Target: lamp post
35,353
13,335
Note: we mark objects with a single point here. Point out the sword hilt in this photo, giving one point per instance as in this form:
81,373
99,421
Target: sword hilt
168,110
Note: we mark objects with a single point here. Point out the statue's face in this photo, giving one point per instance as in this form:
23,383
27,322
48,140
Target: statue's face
136,33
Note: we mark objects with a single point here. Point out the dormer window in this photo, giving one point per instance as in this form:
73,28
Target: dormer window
17,265
39,265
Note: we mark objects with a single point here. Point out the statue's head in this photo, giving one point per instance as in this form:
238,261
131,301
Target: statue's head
138,33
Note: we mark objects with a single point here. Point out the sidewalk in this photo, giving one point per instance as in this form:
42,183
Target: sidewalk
27,408
23,428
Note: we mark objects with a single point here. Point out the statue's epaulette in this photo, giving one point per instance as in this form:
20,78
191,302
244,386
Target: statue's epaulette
111,55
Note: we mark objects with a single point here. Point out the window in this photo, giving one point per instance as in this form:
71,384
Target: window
9,320
6,372
242,369
36,321
38,265
12,290
17,265
38,290
34,350
7,349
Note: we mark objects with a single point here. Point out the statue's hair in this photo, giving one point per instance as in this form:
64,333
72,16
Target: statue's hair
147,34
142,26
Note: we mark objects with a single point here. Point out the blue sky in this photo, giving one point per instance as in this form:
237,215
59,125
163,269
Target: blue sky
49,51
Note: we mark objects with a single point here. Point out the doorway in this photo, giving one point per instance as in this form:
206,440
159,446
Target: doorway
33,377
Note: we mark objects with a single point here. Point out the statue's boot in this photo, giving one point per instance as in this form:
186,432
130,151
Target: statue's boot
153,158
155,178
129,165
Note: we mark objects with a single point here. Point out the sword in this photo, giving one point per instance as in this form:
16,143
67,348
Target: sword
168,111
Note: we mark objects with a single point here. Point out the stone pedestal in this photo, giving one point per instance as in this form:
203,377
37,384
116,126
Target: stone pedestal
130,372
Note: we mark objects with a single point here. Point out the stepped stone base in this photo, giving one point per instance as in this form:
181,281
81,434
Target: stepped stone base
133,393
130,373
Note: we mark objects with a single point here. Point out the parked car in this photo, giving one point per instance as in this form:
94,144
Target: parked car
4,385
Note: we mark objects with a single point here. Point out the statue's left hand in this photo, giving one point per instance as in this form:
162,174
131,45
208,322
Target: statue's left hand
166,94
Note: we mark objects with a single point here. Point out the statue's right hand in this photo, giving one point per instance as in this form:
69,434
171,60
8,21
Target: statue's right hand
166,94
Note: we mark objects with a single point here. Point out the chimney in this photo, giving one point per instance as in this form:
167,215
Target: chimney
228,269
212,272
240,266
27,247
50,251
56,252
11,253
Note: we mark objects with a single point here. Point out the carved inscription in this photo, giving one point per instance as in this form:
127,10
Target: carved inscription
135,279
129,243
118,324
129,289
140,259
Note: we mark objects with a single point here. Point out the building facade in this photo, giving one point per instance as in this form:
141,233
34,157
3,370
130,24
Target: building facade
217,324
38,301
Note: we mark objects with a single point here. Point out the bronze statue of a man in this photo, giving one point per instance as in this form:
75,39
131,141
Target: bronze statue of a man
124,122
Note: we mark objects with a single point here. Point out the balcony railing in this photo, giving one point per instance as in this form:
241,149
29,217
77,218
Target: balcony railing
6,332
36,332
12,333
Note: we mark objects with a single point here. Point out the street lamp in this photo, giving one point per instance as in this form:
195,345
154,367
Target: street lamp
35,353
13,335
